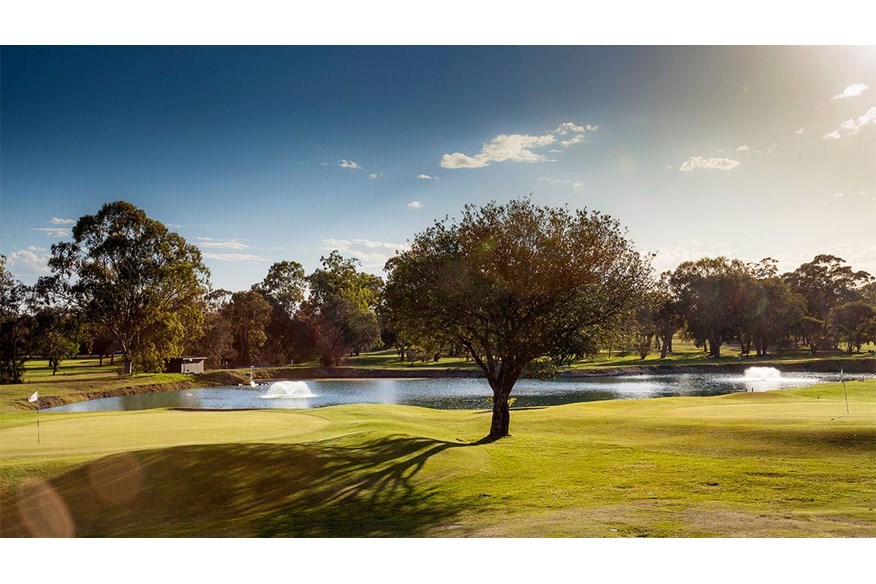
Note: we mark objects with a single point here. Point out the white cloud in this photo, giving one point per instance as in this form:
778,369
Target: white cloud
504,147
555,181
771,148
53,231
35,248
233,257
695,162
27,263
349,164
570,127
372,254
517,147
837,195
743,148
800,131
60,221
853,90
426,177
853,126
375,175
210,243
415,205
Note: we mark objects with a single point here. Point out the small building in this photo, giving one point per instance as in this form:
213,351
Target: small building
187,365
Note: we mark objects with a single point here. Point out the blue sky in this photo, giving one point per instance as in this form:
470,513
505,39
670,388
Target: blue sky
264,154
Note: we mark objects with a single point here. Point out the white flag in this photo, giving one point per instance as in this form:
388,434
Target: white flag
34,397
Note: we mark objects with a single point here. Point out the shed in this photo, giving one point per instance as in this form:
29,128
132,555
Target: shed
188,365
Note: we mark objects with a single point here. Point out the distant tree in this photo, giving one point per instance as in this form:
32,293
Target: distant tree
714,295
341,309
247,314
826,283
644,324
777,312
283,288
217,342
867,293
812,331
15,326
668,314
134,277
851,322
56,332
514,282
99,341
56,347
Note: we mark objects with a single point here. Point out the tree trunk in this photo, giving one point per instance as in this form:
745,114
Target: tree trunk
502,387
128,366
501,417
715,348
100,364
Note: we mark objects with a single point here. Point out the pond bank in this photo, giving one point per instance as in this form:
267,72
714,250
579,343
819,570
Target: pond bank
241,376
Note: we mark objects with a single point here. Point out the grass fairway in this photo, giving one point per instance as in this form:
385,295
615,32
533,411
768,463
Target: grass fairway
784,463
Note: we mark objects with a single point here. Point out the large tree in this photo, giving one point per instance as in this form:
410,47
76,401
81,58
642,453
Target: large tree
715,295
16,326
341,308
134,277
514,282
217,343
247,314
826,283
284,289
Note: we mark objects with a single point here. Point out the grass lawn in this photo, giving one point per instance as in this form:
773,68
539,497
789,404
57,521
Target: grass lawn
783,463
684,353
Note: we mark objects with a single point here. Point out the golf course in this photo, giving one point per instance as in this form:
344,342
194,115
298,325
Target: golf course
788,463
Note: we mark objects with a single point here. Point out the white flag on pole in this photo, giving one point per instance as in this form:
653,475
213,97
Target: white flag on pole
34,397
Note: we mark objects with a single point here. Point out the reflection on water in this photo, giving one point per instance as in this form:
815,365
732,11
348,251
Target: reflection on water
454,393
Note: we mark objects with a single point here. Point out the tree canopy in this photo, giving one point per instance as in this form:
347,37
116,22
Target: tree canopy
341,307
514,282
136,278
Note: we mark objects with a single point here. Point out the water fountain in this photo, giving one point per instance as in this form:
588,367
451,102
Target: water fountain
762,374
762,378
288,390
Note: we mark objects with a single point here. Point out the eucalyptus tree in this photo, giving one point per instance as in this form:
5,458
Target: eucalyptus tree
341,308
15,326
134,277
511,283
715,296
826,283
284,288
247,315
852,322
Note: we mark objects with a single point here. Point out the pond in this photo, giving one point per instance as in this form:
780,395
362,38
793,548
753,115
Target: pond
456,393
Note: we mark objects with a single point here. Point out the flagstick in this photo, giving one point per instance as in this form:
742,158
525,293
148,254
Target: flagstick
843,379
38,422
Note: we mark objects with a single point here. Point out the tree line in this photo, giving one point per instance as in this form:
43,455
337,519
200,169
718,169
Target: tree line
508,286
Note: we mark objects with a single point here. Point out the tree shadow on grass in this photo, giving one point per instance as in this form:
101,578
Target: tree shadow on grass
311,490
